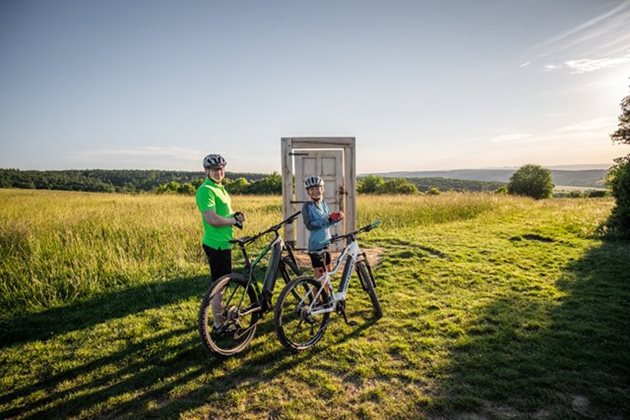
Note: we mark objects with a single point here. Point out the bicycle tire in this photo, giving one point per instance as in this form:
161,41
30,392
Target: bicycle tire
368,285
236,332
291,313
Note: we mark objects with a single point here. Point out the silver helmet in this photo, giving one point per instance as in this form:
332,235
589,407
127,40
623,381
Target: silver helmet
214,161
313,181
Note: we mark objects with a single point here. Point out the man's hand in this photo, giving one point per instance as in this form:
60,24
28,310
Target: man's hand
239,218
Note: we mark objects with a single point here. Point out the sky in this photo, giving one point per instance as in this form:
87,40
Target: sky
422,85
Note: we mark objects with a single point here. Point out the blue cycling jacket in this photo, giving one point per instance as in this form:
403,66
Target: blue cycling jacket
315,216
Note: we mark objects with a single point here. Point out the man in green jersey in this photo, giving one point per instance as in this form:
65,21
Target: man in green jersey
217,217
215,206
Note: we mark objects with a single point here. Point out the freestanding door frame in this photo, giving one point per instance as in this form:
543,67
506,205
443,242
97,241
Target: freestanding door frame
291,146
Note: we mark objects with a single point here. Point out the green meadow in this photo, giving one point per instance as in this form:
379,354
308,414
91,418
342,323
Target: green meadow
494,307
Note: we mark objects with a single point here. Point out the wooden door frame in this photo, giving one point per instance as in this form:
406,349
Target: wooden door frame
291,145
333,194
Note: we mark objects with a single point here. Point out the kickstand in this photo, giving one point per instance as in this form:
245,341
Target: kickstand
341,308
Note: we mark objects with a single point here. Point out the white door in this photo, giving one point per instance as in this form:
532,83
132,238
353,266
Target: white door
328,164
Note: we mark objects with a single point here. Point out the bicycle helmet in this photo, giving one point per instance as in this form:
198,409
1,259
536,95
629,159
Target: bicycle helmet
214,161
313,181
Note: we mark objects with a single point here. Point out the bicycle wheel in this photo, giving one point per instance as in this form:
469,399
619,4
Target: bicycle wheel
234,306
296,326
368,285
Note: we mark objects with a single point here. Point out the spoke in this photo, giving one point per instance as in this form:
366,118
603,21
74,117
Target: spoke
295,331
232,295
238,334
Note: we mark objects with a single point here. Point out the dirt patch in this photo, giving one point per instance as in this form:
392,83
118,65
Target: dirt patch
374,256
532,237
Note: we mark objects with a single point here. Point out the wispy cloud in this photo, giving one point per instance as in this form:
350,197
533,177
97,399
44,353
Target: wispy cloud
525,64
599,43
601,124
582,130
552,67
616,18
586,65
510,137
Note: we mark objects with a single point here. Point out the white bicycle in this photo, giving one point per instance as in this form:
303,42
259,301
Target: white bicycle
303,308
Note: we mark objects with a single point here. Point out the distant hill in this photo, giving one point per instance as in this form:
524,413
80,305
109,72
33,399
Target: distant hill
593,178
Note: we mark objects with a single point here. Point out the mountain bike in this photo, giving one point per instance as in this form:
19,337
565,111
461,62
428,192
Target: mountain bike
303,308
237,302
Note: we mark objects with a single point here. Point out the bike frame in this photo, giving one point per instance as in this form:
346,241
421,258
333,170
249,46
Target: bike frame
350,254
277,265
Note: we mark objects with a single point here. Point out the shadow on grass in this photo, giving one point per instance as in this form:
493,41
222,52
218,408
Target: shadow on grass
46,324
528,355
166,372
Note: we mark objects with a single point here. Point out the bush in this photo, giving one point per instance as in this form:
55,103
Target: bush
397,186
503,189
531,180
618,180
238,186
370,184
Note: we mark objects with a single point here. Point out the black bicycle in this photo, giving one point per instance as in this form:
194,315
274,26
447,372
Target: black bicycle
234,304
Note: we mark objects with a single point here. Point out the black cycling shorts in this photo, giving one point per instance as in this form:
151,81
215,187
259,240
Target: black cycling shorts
220,261
320,259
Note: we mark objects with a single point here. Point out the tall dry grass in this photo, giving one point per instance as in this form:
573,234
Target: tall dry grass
56,247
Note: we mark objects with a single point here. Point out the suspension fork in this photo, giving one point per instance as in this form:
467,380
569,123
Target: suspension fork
369,268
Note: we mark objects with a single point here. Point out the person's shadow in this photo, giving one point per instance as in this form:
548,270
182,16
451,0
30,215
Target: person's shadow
541,354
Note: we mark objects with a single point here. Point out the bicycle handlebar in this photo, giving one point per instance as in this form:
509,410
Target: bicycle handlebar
275,228
365,228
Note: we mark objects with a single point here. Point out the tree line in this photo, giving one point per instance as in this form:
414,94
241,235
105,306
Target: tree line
134,181
375,184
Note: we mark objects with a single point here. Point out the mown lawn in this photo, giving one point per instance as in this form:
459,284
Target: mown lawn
494,307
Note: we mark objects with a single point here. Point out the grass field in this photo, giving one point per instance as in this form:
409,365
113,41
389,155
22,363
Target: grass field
494,307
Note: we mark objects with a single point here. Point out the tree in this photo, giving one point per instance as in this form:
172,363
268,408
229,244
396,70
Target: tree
397,186
271,184
618,179
186,188
238,186
622,134
370,184
531,180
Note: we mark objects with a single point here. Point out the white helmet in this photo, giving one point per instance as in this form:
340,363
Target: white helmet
214,161
313,181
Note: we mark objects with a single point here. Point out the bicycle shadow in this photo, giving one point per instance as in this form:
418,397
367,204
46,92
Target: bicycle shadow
151,369
260,369
531,357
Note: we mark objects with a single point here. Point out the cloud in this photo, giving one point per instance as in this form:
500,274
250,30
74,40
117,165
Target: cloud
601,124
592,28
599,43
552,67
510,137
525,64
586,65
